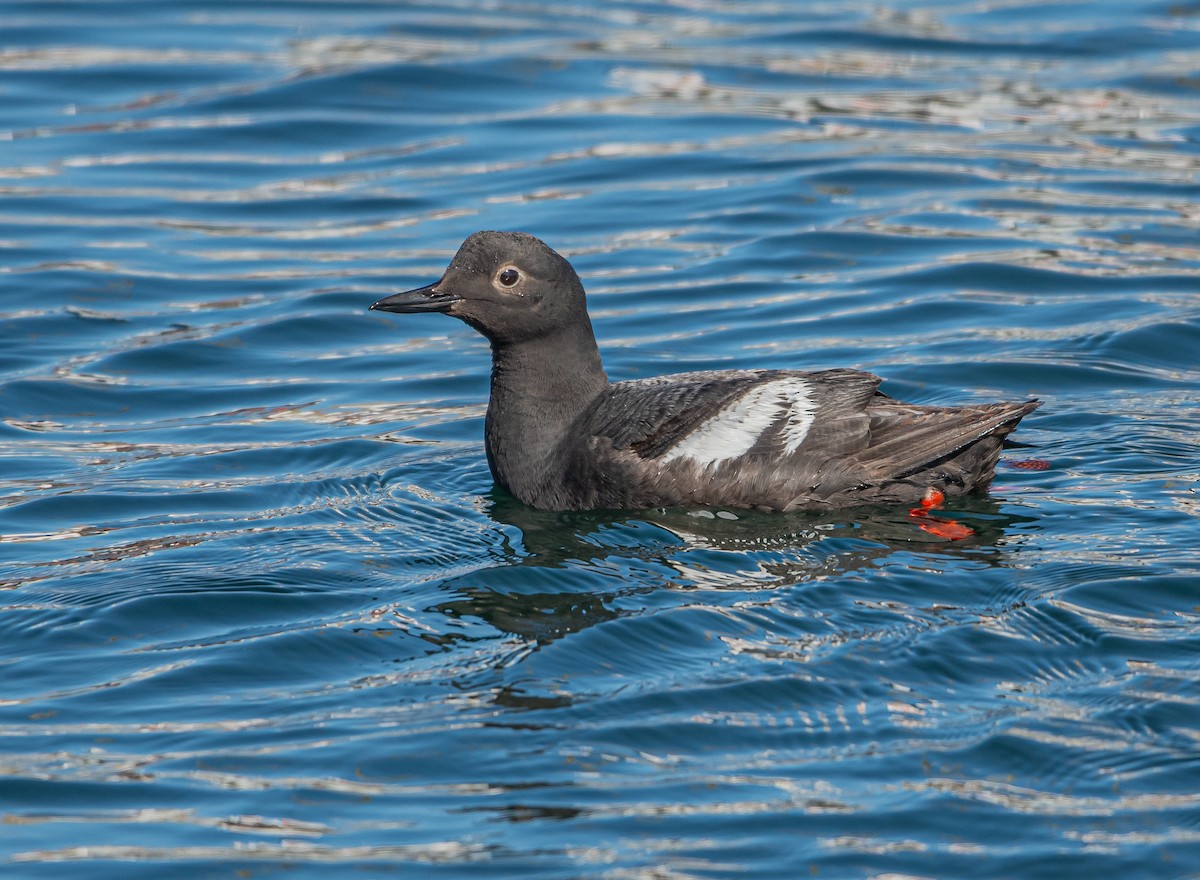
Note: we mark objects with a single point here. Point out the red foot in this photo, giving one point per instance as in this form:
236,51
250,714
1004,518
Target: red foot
936,525
933,498
1029,464
948,529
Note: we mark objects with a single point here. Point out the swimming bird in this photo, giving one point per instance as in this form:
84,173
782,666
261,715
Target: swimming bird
560,436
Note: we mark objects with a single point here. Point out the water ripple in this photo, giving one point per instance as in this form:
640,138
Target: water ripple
262,606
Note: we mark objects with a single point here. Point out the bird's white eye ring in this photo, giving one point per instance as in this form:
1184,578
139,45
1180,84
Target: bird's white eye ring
508,276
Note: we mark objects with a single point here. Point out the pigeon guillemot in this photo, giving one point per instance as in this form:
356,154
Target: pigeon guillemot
560,436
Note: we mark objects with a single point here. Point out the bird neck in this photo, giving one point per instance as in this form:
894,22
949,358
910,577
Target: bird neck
539,388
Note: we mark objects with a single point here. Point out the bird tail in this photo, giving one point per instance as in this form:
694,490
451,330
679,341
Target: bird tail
943,442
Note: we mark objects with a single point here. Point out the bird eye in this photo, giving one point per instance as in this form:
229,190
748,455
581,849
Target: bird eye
509,277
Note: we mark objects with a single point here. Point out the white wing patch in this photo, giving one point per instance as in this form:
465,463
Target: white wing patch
737,427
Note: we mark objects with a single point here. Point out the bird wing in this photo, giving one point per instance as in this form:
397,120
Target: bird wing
784,439
710,417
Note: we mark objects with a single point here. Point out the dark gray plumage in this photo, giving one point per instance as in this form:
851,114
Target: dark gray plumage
560,436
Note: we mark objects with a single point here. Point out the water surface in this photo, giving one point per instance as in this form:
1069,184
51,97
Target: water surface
264,613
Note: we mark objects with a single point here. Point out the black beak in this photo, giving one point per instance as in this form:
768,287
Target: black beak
423,299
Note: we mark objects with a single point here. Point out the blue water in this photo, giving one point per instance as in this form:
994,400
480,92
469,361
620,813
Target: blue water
263,613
